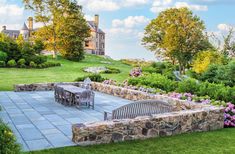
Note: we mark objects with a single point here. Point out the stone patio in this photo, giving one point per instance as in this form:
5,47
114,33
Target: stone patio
40,123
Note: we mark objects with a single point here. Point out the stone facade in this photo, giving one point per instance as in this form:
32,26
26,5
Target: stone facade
198,120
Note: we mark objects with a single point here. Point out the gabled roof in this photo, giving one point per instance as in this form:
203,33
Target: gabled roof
24,27
11,32
91,24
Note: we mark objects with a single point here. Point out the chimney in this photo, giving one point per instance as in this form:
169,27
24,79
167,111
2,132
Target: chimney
30,22
30,25
4,27
96,20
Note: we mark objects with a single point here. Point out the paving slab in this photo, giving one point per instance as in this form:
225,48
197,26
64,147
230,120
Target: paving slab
41,123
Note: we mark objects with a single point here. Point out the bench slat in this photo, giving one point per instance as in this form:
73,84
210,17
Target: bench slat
141,108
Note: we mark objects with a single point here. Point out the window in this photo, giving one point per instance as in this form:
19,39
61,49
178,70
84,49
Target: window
96,44
102,45
86,43
102,36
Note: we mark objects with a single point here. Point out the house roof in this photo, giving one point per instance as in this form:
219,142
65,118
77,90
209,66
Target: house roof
24,27
91,24
11,32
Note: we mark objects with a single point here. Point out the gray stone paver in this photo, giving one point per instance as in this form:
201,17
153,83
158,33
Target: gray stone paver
40,123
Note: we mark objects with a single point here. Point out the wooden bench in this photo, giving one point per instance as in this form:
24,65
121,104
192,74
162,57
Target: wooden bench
139,108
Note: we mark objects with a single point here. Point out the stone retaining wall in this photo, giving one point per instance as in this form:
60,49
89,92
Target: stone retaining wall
187,117
139,95
40,86
198,120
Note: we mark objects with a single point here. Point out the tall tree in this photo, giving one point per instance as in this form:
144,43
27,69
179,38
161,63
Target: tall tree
65,28
178,35
73,34
48,13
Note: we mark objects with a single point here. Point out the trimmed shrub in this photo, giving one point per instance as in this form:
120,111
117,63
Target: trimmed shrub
93,77
38,59
32,64
48,64
11,63
51,64
2,64
213,90
8,144
154,81
111,70
3,56
188,85
163,68
21,63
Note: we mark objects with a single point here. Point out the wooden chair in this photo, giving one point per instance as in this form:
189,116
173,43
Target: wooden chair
139,108
86,97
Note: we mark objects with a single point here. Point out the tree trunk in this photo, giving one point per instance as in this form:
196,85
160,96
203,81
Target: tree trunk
54,45
181,69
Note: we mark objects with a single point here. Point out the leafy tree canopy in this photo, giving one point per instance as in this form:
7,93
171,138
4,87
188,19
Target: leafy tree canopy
65,28
176,34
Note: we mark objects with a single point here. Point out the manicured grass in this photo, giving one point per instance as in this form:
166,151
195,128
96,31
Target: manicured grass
221,141
69,71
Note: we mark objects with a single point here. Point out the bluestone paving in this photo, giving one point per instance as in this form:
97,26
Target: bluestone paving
40,123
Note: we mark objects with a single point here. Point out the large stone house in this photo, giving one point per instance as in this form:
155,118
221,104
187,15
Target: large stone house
95,44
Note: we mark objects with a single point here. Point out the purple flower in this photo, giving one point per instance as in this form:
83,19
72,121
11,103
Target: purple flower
207,101
230,105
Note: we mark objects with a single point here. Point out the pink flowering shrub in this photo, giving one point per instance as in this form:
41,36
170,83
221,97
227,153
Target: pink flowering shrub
136,72
229,115
191,97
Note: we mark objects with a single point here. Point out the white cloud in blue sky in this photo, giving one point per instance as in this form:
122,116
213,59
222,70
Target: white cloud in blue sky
124,20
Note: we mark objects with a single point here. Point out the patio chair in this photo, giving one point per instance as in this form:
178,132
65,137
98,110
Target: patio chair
67,98
59,94
86,84
85,98
63,96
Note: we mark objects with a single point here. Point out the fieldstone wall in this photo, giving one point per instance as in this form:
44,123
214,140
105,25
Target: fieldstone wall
139,95
187,117
40,86
198,120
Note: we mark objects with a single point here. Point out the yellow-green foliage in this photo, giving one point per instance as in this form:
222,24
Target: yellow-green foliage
204,59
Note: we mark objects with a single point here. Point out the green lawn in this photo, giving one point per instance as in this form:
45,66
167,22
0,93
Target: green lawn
221,141
69,71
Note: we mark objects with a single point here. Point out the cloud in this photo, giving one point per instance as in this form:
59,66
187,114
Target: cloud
161,5
129,3
89,17
10,10
224,27
130,21
11,15
192,6
109,5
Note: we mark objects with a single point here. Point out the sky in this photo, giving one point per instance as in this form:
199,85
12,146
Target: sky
124,20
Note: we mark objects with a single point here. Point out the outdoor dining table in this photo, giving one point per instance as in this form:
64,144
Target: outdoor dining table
71,92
